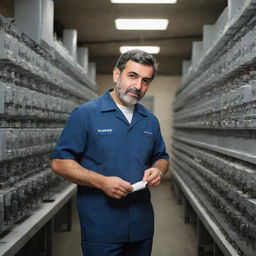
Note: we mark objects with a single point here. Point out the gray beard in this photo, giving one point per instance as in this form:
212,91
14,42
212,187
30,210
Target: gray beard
127,99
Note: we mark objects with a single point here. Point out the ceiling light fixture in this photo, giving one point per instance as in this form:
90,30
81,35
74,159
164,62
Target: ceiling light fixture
143,1
141,24
148,49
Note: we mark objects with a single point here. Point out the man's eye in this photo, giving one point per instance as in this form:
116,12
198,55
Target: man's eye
146,81
132,76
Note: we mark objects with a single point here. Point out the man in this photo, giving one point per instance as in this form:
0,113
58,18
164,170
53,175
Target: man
107,145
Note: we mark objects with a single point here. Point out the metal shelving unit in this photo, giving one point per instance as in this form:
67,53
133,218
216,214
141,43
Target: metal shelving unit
21,233
214,155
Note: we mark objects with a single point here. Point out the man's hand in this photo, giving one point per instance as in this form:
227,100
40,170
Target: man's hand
116,187
152,176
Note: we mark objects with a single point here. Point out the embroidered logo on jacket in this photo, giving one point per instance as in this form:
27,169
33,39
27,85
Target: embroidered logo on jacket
104,130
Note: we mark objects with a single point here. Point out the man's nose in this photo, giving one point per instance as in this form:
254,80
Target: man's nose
138,83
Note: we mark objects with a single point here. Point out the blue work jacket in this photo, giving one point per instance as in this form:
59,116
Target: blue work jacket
98,136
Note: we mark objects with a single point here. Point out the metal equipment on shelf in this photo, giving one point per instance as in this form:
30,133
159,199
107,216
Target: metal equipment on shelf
214,155
38,90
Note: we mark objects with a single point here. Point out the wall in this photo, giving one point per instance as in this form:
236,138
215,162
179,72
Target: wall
163,90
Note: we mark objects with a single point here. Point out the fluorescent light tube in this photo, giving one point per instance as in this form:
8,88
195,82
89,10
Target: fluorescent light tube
141,24
148,49
143,1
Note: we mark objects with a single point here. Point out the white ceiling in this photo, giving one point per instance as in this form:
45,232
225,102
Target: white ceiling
94,20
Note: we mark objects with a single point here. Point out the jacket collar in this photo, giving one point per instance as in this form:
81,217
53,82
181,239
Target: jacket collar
107,103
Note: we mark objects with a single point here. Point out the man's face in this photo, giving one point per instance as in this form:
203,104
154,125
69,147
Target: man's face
133,82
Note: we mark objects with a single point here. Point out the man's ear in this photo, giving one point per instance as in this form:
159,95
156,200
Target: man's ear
116,74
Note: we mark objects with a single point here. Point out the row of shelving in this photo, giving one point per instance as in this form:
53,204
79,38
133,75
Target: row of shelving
14,52
214,139
236,58
21,233
215,37
19,200
21,101
38,90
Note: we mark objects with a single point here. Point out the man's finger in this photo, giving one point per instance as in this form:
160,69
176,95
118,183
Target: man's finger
154,182
151,176
123,190
147,174
119,193
126,186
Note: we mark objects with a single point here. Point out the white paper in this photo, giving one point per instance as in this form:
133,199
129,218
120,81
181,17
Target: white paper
139,185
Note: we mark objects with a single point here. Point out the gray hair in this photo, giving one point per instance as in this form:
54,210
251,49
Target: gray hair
138,56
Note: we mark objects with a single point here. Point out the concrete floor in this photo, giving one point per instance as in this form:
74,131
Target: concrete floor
172,236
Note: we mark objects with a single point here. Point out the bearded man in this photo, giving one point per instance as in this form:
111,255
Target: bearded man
113,149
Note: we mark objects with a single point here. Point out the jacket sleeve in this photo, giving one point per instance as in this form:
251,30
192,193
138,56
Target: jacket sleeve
72,141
